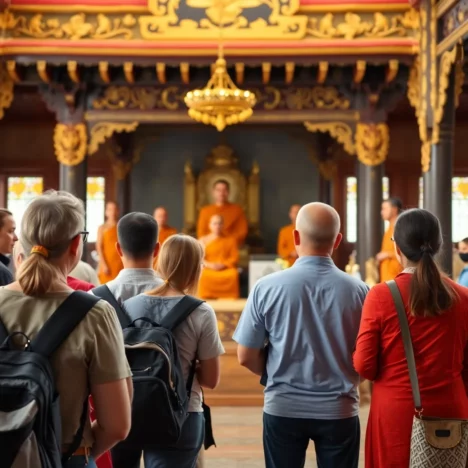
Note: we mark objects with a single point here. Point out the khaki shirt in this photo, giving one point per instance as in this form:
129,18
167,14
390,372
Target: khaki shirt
92,354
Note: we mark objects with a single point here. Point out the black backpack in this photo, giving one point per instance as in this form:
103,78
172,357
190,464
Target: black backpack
160,393
31,433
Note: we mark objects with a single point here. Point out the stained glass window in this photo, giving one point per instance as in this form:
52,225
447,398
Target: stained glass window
21,190
351,205
95,205
459,208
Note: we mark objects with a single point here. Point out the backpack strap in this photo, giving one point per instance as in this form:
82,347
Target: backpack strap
62,322
174,318
180,312
3,332
105,293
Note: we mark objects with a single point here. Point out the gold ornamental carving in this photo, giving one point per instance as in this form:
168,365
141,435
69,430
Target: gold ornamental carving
75,27
70,143
104,130
372,143
448,60
268,98
341,131
201,19
6,90
353,25
280,20
459,80
140,98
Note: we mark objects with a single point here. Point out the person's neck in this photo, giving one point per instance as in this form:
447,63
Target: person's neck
392,220
221,203
129,263
314,253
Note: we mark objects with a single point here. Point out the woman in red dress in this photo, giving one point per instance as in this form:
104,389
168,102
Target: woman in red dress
437,310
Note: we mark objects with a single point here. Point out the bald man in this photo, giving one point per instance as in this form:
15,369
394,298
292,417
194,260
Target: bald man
161,217
286,249
309,315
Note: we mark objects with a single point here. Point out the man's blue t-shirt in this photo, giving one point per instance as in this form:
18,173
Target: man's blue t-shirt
310,314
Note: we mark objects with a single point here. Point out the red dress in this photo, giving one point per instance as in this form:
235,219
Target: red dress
440,348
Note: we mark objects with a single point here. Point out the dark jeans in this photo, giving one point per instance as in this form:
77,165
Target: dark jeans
285,441
184,454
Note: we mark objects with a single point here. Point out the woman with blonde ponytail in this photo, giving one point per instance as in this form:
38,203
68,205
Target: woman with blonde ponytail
92,357
180,261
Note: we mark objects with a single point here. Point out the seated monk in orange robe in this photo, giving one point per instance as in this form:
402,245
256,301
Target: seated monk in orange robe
388,263
286,248
164,230
235,222
110,262
219,277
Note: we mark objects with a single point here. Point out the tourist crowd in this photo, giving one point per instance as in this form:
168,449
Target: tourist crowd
105,376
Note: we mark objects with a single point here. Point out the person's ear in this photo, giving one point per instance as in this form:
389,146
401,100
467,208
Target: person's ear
338,240
75,245
119,249
296,237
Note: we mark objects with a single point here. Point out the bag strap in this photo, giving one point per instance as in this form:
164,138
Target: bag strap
177,315
180,312
62,322
408,344
78,436
105,293
3,332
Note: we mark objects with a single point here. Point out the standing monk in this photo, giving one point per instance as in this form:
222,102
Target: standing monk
160,215
389,265
110,263
219,278
235,222
286,248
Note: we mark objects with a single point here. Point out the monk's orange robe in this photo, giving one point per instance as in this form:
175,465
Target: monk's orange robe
164,233
109,239
224,283
390,267
235,222
286,244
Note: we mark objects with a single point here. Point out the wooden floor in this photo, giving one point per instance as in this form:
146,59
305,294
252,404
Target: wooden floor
238,435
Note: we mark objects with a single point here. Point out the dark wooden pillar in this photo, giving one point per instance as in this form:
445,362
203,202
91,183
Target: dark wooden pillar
438,179
326,190
73,179
370,225
121,156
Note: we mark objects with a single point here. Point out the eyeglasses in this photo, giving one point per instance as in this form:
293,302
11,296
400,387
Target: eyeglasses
85,235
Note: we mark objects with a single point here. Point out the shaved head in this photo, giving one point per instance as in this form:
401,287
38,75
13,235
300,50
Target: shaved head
160,215
318,225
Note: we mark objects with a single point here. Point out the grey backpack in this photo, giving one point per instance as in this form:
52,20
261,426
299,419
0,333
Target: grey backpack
30,424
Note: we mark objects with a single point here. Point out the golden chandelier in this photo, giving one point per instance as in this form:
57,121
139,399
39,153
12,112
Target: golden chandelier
220,102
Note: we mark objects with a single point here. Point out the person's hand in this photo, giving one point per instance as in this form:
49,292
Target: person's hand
293,254
218,266
381,256
106,269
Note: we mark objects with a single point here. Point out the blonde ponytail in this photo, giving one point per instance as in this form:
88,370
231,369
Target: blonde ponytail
35,275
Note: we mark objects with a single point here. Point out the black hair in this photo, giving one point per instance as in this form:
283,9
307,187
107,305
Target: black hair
419,237
395,202
138,235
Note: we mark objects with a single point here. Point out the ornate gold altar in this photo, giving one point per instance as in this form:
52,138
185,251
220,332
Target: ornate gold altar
222,163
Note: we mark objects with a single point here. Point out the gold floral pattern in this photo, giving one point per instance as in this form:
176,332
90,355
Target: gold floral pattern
354,26
78,26
70,143
6,90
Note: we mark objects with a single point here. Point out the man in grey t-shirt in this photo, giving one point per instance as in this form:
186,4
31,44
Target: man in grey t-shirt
310,315
137,246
